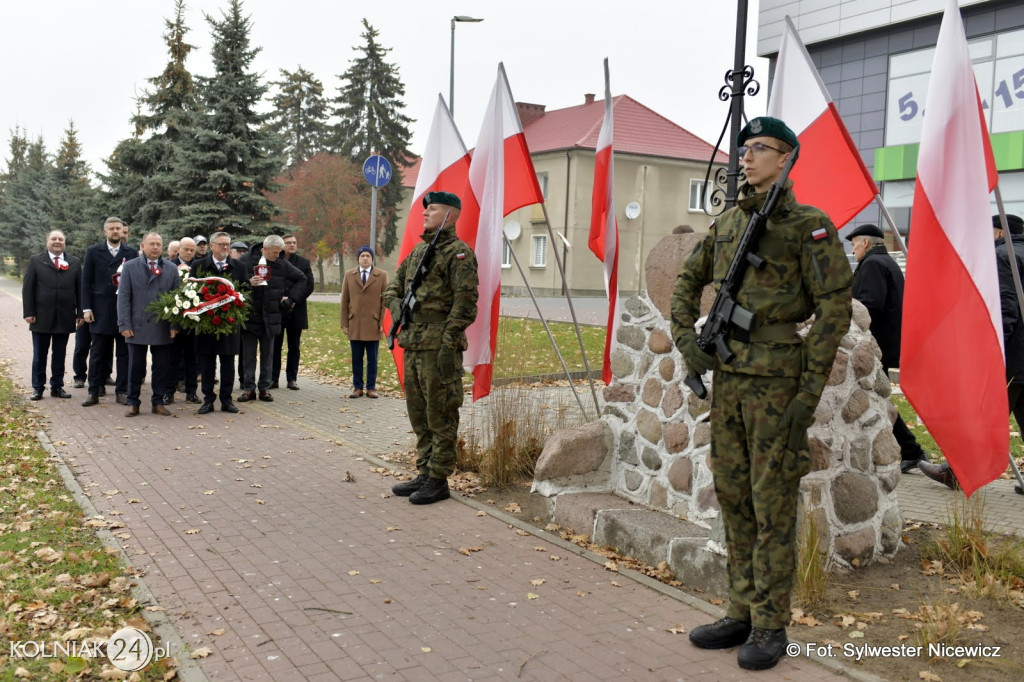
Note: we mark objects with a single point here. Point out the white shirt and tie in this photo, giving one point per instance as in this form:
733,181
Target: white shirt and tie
364,274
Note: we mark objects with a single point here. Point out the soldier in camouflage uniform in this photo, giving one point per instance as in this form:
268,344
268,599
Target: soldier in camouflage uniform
433,343
764,401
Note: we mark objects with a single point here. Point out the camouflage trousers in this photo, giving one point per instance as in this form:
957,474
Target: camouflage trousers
757,482
433,411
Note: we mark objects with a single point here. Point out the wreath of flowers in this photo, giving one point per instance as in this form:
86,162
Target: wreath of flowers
203,305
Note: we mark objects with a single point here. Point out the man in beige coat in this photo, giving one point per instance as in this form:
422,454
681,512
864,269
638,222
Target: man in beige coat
362,319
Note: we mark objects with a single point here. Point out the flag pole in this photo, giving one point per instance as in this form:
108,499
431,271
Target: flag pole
572,310
544,322
892,225
1015,271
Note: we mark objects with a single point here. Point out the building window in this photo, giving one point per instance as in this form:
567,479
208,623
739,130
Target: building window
542,180
695,189
540,251
506,254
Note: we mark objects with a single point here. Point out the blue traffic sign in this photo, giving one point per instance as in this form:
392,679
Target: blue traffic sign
377,171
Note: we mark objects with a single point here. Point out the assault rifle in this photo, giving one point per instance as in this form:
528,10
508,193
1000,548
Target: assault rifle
727,317
409,301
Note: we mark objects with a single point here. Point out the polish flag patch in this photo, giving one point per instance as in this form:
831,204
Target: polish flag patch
460,256
820,233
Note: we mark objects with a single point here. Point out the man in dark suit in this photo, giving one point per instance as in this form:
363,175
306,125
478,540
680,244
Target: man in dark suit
100,277
294,321
51,298
210,349
142,281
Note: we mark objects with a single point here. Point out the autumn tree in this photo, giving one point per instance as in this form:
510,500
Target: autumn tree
326,202
369,108
299,118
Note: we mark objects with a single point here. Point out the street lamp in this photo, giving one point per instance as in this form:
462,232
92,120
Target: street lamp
451,63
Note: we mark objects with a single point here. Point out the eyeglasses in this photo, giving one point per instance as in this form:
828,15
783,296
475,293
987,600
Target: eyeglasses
758,149
221,243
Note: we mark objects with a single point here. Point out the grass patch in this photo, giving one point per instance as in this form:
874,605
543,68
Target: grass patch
813,577
59,583
523,349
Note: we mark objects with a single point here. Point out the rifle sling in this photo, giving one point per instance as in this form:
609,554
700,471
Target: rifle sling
773,332
429,317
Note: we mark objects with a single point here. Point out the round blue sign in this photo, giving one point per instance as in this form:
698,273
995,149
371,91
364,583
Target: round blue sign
377,171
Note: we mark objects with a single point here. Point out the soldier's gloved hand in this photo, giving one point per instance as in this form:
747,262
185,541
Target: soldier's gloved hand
797,418
697,361
396,311
448,363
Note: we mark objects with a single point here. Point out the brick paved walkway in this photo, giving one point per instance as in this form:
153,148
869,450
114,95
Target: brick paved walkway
246,523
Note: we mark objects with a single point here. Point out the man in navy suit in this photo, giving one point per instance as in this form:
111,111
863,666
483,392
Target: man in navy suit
142,281
99,308
50,294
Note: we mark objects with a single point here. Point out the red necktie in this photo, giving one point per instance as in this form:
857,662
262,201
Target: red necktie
56,262
152,266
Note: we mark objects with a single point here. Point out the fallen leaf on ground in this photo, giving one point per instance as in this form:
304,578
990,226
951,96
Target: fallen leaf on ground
201,652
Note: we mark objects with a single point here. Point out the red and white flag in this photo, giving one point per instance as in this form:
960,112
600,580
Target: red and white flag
952,368
604,229
444,167
830,174
502,178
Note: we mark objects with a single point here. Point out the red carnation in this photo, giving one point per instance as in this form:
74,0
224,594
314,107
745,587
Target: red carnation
221,289
216,320
231,319
238,303
226,307
210,312
204,291
207,297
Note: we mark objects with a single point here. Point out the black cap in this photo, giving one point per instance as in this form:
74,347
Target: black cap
445,198
868,230
240,246
1015,223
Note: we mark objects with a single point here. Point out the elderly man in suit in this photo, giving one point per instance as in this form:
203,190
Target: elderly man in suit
51,304
293,322
183,353
100,277
362,317
142,281
218,263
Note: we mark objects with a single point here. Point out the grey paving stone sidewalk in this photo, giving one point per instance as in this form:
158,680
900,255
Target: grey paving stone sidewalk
249,535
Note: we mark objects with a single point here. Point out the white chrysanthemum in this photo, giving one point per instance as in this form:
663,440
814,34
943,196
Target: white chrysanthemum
175,310
167,311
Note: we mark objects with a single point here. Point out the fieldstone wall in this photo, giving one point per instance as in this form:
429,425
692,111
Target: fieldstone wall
660,432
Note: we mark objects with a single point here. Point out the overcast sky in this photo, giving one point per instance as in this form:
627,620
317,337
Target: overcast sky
88,61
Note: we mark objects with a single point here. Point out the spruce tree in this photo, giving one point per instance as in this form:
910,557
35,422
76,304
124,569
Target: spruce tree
25,215
299,118
228,162
74,202
369,109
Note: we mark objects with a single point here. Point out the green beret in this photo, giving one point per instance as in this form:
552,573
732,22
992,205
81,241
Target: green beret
446,198
766,126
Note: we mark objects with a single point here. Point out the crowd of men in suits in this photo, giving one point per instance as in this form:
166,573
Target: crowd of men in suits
102,300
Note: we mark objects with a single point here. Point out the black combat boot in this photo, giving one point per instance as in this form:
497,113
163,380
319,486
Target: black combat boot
433,490
763,649
409,487
722,634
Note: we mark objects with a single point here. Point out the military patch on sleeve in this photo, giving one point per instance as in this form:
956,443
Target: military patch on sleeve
460,256
820,233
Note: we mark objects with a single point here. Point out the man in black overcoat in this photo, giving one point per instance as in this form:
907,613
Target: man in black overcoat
293,322
51,304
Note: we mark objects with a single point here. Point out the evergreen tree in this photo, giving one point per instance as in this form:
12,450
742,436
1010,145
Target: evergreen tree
16,161
228,162
369,109
148,177
74,202
299,118
25,217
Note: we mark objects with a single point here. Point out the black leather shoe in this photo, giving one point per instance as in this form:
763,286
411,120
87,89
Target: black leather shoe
266,397
91,400
433,490
79,383
59,393
293,385
102,391
192,398
205,408
722,634
409,487
941,473
37,394
169,398
908,464
274,385
763,649
229,407
121,399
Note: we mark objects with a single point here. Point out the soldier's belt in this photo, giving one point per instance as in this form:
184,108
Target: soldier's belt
773,332
429,317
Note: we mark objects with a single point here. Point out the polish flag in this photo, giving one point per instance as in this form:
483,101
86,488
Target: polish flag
952,367
444,167
604,229
503,180
830,173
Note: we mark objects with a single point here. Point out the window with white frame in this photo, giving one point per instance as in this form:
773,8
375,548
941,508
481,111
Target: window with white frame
506,254
540,251
696,186
542,180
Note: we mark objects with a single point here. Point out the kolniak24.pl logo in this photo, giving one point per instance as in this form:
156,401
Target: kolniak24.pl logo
128,649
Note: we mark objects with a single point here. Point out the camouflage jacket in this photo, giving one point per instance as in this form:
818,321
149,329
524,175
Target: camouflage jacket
446,299
806,273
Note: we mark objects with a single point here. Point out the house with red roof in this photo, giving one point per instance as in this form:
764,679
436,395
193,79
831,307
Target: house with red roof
659,171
